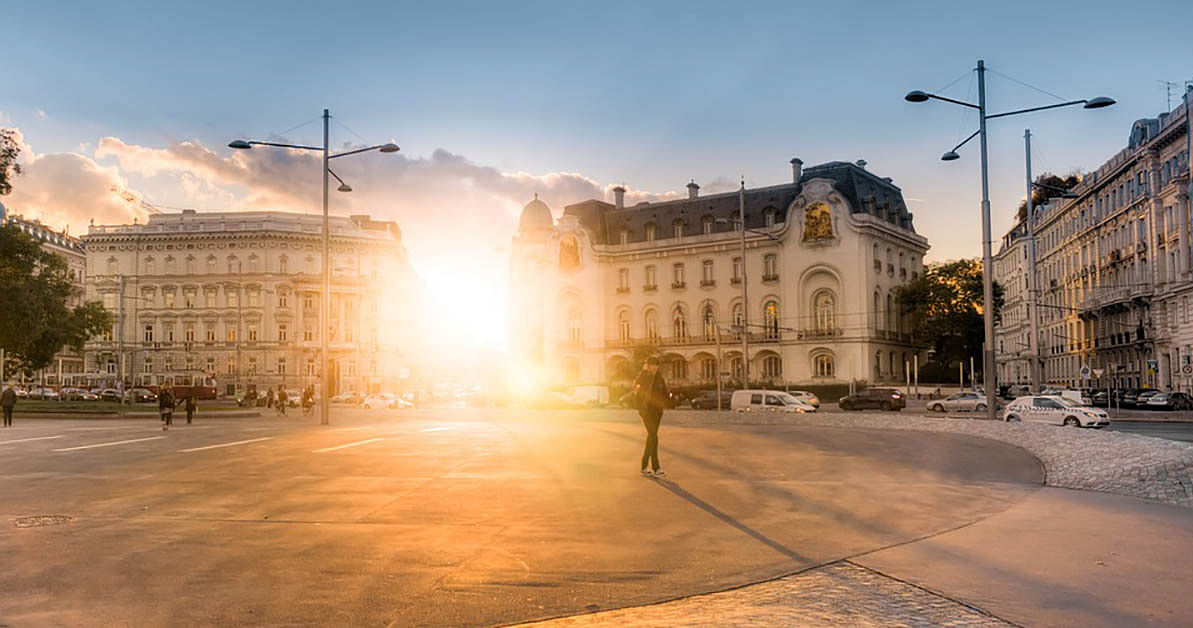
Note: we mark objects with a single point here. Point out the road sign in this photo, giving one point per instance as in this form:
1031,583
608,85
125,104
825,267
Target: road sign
1099,372
1085,371
1153,365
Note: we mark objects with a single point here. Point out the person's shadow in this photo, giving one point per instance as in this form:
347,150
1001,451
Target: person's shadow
712,510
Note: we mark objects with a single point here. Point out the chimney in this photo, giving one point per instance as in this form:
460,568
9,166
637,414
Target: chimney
797,169
693,189
619,197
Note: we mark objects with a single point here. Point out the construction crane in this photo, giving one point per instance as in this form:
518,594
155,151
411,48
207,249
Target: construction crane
134,201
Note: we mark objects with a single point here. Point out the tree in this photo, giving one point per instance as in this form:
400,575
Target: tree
1055,186
9,168
944,309
35,320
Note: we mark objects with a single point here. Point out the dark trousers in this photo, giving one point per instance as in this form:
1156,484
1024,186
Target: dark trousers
7,416
190,414
651,418
168,417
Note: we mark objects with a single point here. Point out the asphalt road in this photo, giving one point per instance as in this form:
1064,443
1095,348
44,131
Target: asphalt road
452,517
1158,429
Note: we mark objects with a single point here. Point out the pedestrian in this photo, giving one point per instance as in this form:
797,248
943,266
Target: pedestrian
166,405
283,399
650,394
269,397
192,406
8,399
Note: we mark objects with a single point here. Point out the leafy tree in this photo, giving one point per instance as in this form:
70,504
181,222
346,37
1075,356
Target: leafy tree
9,168
1056,186
35,321
944,309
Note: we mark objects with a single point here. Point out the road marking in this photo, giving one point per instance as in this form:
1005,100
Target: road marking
351,429
437,429
239,442
25,440
119,442
109,427
359,442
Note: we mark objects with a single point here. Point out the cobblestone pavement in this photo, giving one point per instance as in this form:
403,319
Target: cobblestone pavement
1084,459
838,594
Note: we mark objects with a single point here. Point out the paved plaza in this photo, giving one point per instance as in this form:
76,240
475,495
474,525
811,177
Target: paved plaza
480,517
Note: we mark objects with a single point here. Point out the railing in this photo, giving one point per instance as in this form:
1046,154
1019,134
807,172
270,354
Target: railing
771,277
708,283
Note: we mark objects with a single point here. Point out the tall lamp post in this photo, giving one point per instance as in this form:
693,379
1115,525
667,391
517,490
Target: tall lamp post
917,96
325,308
1032,289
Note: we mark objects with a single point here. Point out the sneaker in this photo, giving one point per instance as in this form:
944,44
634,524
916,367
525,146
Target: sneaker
647,473
659,473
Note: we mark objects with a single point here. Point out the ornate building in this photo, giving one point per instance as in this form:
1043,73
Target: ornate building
823,254
68,364
235,298
1114,267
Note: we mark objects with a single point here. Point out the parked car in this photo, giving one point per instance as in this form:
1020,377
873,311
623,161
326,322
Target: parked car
109,394
1141,401
1170,401
881,398
78,394
1056,410
1131,397
767,400
386,401
962,401
806,397
707,400
45,394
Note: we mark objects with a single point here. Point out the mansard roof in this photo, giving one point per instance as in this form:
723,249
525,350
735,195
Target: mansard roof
865,192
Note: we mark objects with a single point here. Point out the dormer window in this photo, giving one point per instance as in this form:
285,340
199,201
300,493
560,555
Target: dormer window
707,223
650,232
623,237
678,227
769,216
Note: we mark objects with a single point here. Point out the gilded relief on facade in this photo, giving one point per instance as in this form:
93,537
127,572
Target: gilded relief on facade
818,222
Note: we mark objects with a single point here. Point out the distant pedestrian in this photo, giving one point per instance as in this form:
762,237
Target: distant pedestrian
283,399
269,397
650,394
192,406
166,405
8,399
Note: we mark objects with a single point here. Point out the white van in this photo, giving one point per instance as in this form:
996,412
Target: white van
767,400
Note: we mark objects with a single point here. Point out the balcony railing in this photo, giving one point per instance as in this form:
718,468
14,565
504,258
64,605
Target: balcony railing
708,283
678,285
622,289
771,277
650,287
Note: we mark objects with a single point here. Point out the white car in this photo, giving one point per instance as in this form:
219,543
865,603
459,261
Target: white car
767,400
806,397
963,401
1056,410
378,400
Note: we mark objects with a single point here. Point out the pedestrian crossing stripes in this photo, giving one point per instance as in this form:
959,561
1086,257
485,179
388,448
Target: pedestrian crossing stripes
345,446
231,444
119,442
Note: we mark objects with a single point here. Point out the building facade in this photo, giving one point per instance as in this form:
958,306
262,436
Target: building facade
232,300
1013,332
1114,267
67,366
823,255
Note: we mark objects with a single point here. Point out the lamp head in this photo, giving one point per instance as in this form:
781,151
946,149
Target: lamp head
1098,102
916,95
344,187
239,144
950,156
389,148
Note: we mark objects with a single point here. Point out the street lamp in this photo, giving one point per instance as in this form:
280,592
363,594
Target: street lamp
917,96
325,310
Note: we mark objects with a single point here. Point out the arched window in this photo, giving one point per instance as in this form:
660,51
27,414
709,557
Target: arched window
679,369
678,227
650,232
707,222
877,310
739,319
170,265
679,323
735,367
211,264
652,325
772,367
890,312
709,323
283,265
822,366
877,364
150,266
113,267
233,265
255,263
623,325
708,368
770,313
825,307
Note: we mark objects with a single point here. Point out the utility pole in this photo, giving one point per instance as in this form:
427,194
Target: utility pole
745,300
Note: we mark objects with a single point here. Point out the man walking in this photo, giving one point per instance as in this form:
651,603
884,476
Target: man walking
8,399
166,405
651,393
191,406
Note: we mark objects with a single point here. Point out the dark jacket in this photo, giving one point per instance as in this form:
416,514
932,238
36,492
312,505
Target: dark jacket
191,404
651,391
8,398
165,400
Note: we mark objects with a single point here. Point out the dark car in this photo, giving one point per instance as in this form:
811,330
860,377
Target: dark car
707,400
880,398
109,394
1169,401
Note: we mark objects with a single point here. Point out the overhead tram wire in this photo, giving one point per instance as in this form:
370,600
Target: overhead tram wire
282,135
1027,85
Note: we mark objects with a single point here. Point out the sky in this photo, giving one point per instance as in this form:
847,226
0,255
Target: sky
495,102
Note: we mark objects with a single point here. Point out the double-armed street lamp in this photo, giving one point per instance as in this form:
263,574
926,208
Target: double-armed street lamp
917,96
745,303
325,309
